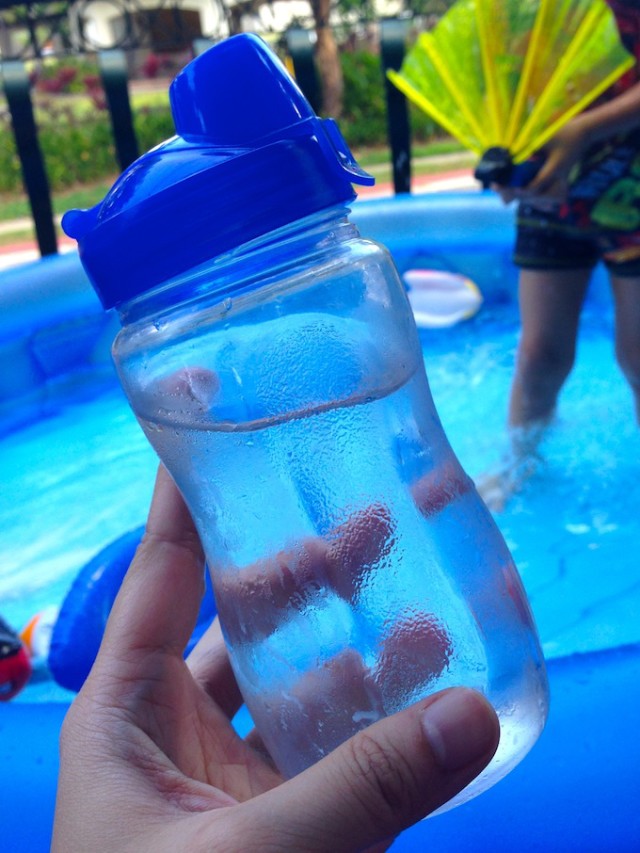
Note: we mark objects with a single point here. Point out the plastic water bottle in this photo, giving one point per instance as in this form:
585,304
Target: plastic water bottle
271,357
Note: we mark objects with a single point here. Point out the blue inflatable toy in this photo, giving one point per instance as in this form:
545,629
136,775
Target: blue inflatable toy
80,624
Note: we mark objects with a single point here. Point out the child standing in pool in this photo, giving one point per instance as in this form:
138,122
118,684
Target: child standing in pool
582,207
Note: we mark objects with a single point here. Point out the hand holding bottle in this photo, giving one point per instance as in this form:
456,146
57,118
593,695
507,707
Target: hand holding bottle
168,771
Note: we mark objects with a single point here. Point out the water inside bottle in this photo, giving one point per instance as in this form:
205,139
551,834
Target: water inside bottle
355,568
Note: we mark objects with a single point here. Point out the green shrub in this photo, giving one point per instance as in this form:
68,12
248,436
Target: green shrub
76,150
10,174
68,74
152,126
364,117
77,142
363,120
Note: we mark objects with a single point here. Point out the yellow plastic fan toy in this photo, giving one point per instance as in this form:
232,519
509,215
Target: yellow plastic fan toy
503,76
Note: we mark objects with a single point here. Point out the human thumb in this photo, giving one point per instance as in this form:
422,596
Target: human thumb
385,778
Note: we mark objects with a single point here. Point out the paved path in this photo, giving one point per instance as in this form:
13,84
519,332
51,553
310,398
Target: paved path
456,179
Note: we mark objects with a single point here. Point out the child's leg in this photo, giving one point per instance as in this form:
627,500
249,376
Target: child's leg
550,304
626,293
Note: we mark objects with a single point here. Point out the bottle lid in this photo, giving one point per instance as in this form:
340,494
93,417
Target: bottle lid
250,156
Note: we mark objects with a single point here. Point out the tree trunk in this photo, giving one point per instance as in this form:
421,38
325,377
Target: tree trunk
328,60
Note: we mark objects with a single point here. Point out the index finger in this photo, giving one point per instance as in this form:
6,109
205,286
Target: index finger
157,605
211,668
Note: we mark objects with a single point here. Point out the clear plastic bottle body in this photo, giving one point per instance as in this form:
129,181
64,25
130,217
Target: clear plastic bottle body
354,565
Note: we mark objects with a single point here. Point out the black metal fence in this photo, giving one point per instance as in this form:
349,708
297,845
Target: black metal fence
31,32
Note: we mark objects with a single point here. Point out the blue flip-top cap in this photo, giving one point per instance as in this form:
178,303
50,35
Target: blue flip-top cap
250,156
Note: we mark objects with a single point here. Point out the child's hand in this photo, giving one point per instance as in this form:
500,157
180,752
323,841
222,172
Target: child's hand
549,188
562,153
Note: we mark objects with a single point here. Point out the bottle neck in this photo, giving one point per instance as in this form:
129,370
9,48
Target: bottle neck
248,267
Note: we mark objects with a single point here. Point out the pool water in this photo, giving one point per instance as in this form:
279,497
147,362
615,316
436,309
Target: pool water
573,530
75,481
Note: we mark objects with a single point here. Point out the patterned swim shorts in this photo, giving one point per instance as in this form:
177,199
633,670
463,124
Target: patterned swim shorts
599,222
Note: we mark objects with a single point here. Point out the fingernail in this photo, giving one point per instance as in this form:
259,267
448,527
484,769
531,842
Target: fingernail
460,728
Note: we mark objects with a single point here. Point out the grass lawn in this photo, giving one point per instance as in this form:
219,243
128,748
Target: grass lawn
17,207
425,161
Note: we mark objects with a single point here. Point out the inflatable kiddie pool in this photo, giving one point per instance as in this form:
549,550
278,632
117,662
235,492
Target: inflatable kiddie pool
572,535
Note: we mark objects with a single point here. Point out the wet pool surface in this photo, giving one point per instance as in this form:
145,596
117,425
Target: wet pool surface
573,530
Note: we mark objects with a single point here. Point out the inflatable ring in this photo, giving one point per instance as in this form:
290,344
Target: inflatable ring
77,632
439,298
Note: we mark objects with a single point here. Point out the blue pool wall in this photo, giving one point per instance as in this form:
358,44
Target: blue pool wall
54,332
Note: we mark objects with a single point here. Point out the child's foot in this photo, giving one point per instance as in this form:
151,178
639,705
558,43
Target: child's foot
520,464
496,489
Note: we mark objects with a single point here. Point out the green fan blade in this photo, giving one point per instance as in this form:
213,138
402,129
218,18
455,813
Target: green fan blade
505,30
583,68
512,72
446,82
